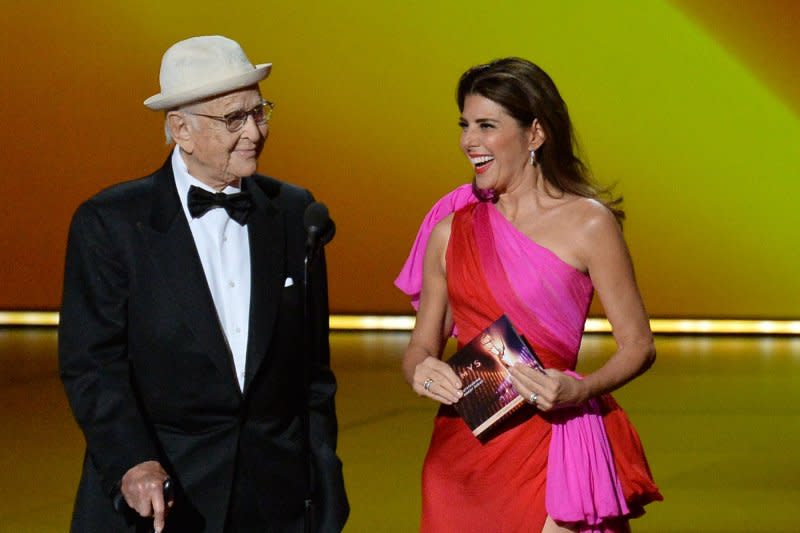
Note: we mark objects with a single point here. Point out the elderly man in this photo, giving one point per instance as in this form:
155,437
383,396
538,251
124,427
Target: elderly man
183,345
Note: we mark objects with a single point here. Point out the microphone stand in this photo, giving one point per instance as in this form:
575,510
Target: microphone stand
308,348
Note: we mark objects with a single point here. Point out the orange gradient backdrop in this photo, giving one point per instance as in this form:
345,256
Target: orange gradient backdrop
690,107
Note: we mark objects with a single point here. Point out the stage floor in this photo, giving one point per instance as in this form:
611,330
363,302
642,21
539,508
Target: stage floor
718,416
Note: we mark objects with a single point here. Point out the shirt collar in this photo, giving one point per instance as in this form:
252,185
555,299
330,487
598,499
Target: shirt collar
184,180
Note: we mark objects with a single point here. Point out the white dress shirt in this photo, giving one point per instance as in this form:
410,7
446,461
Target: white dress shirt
224,250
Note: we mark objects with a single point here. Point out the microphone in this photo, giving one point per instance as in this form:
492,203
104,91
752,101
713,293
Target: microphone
320,228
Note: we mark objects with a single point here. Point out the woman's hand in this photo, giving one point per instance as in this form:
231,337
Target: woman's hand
547,390
436,379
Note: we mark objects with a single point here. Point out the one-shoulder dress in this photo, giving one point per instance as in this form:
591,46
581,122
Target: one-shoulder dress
583,466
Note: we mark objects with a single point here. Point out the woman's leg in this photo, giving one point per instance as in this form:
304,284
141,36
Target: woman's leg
618,526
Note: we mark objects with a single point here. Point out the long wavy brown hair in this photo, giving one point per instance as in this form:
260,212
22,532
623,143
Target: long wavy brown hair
527,93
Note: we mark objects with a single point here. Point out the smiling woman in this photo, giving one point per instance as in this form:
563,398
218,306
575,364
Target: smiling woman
523,107
529,239
492,140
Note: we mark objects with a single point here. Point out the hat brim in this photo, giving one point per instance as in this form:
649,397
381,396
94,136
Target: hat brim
160,101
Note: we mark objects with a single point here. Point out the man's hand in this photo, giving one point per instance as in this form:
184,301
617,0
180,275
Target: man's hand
143,489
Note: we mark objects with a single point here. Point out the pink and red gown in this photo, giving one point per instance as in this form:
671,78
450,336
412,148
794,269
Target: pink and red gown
583,466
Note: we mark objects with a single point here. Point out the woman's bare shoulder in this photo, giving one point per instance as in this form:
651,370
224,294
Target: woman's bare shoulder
441,231
592,228
440,236
590,216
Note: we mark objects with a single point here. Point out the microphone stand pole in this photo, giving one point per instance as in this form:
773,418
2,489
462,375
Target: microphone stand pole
308,357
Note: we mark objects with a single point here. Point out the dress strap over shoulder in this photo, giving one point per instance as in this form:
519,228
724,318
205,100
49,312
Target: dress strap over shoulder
410,278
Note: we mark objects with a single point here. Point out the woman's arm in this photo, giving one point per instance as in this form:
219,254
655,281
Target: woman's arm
421,361
601,247
611,270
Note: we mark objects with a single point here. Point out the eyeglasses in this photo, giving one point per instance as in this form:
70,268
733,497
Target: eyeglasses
236,120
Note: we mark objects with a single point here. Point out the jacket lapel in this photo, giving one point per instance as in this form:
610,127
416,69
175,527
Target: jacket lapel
175,254
267,271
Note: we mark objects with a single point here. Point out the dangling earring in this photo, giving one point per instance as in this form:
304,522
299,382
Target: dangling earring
533,157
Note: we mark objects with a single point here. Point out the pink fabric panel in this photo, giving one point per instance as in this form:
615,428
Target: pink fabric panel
582,482
555,296
547,300
410,278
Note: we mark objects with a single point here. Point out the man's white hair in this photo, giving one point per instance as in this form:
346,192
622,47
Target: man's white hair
167,134
186,110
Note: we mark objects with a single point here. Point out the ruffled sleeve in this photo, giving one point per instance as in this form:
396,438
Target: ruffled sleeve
410,278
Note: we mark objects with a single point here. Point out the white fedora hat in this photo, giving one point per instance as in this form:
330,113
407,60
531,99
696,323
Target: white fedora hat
201,67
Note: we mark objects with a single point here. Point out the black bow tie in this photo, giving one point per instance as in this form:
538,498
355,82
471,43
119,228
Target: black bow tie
237,205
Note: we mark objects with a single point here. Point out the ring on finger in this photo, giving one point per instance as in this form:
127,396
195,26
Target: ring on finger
532,398
427,384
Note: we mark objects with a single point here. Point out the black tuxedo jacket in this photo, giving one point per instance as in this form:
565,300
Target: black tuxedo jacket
149,374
